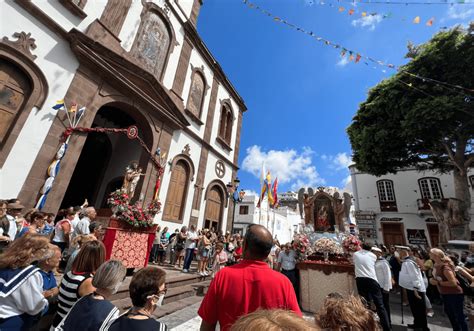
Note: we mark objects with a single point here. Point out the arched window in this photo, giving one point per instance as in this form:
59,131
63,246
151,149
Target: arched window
430,188
153,42
386,195
225,124
197,92
177,192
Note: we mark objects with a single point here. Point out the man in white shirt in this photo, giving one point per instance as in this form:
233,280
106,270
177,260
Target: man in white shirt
384,277
191,241
287,266
367,283
83,225
411,279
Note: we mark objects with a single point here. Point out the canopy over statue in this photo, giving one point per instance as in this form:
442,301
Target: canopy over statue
326,212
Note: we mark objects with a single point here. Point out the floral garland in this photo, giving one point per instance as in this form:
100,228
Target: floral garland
132,214
351,243
326,245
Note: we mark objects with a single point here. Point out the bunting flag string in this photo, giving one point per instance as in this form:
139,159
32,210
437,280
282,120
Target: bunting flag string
357,12
356,56
406,3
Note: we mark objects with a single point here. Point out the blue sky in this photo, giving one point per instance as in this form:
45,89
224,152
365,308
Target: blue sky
300,94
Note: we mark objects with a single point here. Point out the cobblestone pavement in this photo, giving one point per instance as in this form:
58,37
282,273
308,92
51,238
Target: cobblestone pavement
188,320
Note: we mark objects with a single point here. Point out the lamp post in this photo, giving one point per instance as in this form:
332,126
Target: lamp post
235,196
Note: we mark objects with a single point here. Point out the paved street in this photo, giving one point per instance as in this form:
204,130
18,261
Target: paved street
187,319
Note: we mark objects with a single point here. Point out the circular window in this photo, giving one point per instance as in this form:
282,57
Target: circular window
220,169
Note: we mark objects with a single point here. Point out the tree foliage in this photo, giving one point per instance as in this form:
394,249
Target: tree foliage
407,121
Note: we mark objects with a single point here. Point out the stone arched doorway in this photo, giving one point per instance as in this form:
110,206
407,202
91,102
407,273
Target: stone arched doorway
215,203
104,158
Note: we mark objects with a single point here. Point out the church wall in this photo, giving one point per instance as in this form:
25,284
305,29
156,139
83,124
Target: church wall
58,64
178,142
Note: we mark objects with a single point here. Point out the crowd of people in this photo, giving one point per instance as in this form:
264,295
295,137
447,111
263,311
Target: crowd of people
254,287
421,277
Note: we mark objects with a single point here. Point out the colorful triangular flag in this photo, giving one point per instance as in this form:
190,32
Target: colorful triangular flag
416,20
59,104
364,14
430,22
351,11
357,58
341,9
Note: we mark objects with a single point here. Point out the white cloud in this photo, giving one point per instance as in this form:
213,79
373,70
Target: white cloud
343,61
251,192
347,184
369,21
340,161
460,13
289,166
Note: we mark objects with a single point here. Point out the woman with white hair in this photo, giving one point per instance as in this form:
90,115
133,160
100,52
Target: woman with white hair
95,311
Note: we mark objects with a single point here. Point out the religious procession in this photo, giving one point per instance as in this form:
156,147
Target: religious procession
134,195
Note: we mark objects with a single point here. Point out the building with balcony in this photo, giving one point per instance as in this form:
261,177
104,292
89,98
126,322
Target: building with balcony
394,209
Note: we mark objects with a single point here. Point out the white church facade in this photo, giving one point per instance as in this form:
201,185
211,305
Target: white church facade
130,63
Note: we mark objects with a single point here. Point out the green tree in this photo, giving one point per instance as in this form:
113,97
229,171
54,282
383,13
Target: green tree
411,122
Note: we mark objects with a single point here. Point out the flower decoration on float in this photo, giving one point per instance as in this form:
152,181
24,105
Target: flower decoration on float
133,214
351,244
302,246
328,246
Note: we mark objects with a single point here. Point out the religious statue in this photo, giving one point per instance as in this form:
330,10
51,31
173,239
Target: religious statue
131,178
308,206
322,221
339,214
452,222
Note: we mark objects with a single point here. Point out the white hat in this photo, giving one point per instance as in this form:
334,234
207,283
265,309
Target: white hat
376,249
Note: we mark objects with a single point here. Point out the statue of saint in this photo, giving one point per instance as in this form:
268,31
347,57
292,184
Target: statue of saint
131,178
308,207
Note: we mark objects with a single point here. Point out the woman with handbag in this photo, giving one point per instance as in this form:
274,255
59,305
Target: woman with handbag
444,277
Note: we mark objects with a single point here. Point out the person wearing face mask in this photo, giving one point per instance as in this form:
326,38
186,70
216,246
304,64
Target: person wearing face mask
147,291
94,312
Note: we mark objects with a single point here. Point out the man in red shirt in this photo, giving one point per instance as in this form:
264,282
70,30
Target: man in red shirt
247,286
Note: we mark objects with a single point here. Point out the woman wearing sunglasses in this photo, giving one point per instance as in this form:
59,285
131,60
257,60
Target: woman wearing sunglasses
147,291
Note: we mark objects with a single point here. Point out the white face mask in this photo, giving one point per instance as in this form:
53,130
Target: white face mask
160,300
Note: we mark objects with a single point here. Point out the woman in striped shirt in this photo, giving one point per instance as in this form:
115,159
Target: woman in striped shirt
78,282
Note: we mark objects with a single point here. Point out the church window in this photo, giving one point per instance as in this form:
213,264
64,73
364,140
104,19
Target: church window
226,123
196,94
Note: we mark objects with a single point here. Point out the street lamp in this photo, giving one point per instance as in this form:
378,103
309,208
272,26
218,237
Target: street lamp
235,196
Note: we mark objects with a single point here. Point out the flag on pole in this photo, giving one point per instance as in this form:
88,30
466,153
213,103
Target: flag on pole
275,193
416,20
268,181
59,104
262,185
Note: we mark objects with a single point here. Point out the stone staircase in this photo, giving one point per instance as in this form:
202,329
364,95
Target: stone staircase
184,289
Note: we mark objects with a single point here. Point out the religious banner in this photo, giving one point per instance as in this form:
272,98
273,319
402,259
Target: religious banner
417,237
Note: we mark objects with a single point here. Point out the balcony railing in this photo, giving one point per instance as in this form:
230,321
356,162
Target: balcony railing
424,204
388,206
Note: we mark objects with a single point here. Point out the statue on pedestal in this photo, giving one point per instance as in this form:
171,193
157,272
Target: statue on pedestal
131,178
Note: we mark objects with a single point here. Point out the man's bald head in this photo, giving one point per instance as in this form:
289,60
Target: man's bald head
258,242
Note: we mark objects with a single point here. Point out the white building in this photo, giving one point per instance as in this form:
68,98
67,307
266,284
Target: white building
282,222
130,63
393,209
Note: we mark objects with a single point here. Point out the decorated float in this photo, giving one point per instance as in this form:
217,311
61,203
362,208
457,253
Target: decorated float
324,247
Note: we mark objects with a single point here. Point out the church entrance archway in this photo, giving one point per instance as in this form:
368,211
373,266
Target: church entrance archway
104,157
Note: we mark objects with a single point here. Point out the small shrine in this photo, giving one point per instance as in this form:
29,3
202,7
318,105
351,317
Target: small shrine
324,246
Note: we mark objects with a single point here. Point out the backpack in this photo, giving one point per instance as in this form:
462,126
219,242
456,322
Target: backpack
465,285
